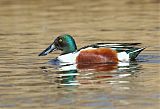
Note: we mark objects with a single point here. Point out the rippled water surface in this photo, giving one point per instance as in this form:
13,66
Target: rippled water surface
29,26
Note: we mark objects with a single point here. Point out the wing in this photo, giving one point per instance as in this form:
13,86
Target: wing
117,46
113,45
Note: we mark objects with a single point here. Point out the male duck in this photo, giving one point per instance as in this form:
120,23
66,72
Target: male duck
92,54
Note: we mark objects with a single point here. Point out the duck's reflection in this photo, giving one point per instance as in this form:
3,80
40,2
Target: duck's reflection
67,74
67,78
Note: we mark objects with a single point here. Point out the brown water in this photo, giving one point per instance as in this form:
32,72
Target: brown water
29,26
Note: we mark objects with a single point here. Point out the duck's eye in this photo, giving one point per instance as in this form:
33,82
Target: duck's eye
60,40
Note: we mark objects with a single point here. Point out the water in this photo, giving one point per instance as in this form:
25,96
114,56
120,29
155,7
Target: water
28,27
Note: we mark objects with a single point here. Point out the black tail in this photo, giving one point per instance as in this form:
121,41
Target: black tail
133,53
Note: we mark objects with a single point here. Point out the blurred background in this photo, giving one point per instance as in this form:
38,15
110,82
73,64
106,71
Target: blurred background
29,26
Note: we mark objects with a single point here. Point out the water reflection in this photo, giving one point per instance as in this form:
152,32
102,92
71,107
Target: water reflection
67,78
81,74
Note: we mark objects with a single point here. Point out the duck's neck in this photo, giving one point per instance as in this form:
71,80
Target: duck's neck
69,48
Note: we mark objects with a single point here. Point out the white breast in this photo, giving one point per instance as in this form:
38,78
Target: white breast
68,58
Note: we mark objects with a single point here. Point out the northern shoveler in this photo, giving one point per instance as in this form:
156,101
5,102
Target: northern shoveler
91,54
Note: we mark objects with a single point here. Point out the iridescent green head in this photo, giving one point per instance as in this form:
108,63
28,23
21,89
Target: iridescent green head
65,43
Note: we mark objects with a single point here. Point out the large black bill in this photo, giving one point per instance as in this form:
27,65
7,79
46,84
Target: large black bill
48,50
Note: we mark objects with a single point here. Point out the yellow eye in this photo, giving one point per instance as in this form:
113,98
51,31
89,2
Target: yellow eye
60,40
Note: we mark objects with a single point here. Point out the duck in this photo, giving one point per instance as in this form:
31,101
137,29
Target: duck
97,53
